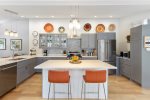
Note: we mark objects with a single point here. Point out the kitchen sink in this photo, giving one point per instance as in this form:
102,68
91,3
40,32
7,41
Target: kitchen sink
17,58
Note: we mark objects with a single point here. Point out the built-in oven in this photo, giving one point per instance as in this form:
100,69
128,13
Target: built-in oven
8,74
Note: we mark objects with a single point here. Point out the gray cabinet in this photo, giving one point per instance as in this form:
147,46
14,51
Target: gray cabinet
88,41
140,56
74,44
89,58
43,41
106,36
25,69
47,41
125,67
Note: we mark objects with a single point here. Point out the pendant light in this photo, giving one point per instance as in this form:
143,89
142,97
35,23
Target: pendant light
6,32
74,22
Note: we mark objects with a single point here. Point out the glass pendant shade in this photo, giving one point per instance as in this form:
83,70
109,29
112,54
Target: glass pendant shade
6,32
11,33
15,34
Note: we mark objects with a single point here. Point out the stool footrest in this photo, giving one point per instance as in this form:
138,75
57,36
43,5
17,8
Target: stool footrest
62,92
91,92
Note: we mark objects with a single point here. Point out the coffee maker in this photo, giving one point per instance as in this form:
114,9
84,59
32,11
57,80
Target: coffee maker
45,52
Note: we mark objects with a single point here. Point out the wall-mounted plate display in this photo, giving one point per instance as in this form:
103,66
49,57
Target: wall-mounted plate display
61,29
48,27
87,27
112,27
35,42
100,28
2,44
35,34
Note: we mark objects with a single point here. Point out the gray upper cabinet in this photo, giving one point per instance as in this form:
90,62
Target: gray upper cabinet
106,36
88,41
74,44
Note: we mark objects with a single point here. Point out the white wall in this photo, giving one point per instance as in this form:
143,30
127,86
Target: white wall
38,24
22,27
125,24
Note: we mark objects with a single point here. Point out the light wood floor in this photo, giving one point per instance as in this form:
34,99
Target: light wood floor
120,88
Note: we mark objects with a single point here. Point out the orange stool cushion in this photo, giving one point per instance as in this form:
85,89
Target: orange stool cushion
98,76
58,76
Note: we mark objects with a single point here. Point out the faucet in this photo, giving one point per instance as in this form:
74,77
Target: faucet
13,53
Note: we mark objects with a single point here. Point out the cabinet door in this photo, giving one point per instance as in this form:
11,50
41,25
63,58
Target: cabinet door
92,41
84,41
43,41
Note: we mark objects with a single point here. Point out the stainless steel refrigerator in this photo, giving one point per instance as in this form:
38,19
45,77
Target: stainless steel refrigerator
107,51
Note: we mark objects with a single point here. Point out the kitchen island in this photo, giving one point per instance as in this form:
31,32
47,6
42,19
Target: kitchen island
76,72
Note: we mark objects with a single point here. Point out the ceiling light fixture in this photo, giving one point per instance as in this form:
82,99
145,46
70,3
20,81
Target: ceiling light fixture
95,16
74,24
110,16
36,16
22,16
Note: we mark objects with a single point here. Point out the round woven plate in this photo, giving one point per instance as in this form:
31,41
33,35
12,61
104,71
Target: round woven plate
61,29
48,27
112,27
100,28
87,27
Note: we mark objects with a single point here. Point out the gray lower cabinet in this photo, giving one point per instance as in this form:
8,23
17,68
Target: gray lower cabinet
25,69
89,58
125,67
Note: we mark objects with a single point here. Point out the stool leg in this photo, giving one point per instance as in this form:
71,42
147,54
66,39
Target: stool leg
98,91
84,91
54,90
104,90
49,90
70,91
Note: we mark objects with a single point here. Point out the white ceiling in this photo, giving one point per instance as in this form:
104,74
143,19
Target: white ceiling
65,11
65,8
73,2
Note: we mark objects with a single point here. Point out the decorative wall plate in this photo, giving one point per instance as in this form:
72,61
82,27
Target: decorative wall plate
48,27
35,42
87,27
100,28
112,27
61,29
35,34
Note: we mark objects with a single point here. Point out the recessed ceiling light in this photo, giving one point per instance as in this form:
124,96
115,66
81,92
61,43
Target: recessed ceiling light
95,16
52,16
110,16
22,16
72,15
37,16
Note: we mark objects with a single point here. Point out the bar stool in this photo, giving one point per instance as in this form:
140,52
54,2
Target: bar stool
59,77
95,76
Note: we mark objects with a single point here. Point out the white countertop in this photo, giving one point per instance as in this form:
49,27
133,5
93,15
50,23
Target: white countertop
5,61
85,64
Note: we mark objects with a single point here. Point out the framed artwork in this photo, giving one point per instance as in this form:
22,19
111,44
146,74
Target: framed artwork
16,44
2,44
147,41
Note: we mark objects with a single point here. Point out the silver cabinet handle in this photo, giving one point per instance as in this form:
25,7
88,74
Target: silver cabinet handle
8,68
